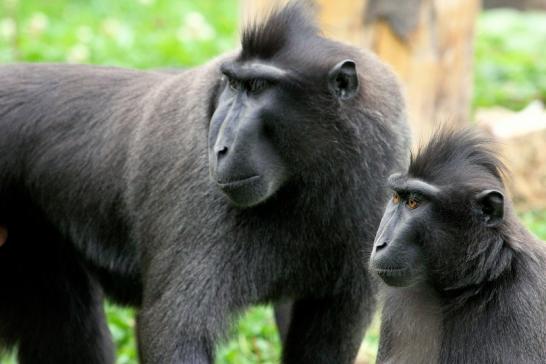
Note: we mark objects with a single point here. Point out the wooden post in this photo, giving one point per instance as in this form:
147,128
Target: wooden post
429,44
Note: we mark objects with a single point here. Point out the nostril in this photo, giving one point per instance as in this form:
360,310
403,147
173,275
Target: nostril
221,150
380,246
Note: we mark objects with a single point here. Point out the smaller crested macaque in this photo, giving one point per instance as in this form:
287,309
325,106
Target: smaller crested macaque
465,280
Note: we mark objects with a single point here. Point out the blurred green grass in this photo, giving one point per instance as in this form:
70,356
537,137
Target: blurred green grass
509,70
130,33
510,66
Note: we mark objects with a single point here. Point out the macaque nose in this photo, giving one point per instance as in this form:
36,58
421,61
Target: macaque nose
220,150
380,246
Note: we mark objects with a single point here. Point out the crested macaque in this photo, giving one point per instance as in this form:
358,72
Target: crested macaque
192,195
465,282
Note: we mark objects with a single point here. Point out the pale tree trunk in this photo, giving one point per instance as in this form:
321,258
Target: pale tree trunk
429,44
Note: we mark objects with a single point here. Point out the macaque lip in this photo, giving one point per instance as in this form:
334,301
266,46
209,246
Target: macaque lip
237,183
395,272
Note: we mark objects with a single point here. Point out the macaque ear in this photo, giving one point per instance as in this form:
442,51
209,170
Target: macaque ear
491,203
343,80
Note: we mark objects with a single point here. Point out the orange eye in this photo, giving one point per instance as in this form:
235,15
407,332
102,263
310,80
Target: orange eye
412,203
395,198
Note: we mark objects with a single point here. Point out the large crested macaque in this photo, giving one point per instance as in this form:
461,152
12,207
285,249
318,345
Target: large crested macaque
465,282
255,178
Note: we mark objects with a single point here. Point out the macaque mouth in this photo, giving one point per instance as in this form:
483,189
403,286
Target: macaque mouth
391,272
238,182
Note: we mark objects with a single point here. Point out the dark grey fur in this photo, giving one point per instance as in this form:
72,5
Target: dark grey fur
479,292
105,187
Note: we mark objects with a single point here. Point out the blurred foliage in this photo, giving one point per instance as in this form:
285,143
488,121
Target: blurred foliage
122,326
536,221
510,65
510,71
254,340
135,33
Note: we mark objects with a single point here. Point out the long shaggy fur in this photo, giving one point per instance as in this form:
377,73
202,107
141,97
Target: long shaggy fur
283,25
469,153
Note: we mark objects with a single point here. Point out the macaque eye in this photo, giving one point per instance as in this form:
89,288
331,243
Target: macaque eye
256,85
412,203
235,85
395,198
